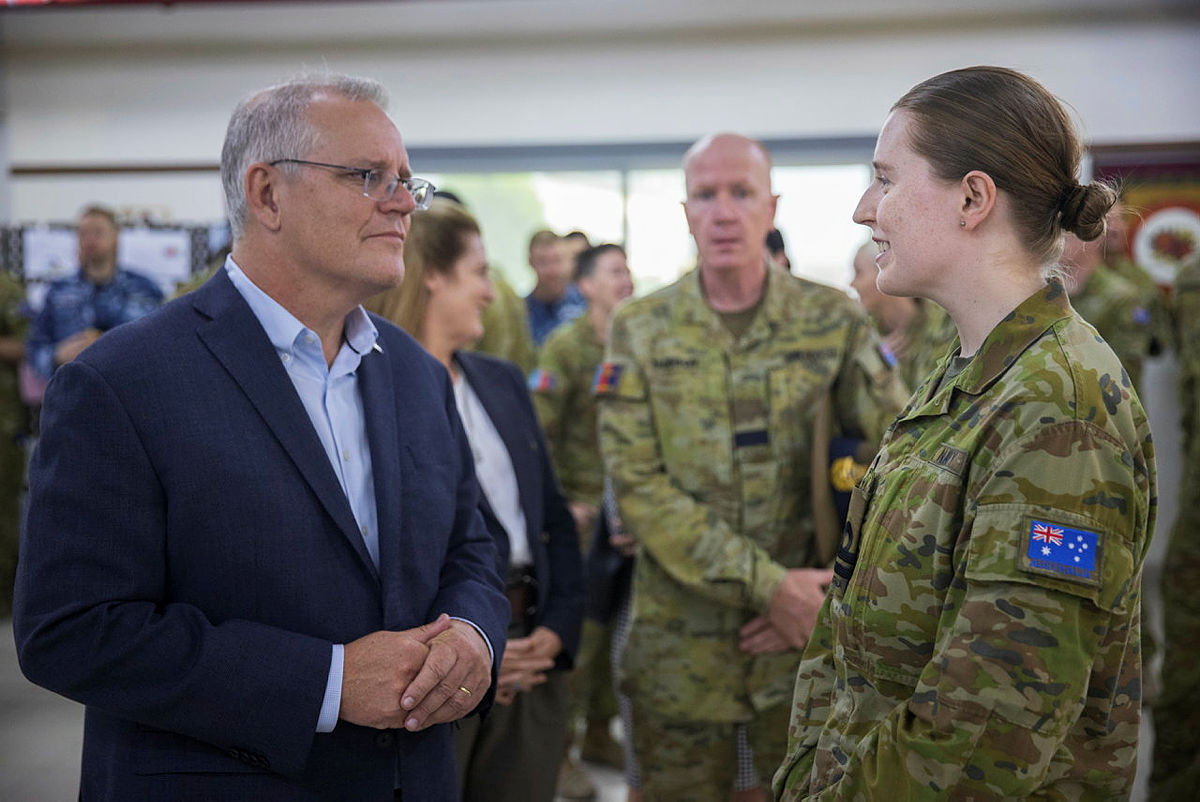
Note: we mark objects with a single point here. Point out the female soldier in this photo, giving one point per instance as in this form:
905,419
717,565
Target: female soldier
981,636
513,755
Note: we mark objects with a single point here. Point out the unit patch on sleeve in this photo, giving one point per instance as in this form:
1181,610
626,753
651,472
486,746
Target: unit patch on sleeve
542,381
1058,550
607,378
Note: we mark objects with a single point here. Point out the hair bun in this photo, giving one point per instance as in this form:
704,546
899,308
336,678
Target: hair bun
1083,208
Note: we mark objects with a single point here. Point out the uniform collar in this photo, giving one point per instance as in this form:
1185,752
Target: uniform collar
1019,329
694,310
1012,335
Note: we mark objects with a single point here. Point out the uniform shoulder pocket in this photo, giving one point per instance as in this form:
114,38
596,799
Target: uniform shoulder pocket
1054,549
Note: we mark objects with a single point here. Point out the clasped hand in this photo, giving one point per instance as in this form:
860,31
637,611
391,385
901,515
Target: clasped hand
413,679
525,663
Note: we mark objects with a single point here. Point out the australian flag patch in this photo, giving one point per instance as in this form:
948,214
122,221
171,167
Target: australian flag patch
1073,554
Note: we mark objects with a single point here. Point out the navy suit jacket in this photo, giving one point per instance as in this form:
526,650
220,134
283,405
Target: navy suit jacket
190,557
549,527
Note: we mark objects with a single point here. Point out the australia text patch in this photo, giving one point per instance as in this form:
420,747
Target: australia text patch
1056,549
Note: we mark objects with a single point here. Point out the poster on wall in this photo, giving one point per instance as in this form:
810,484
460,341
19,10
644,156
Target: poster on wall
1161,195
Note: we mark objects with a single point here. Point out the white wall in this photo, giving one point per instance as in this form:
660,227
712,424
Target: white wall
121,86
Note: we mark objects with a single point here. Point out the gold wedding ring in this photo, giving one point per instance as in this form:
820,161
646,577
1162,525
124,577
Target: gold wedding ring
464,690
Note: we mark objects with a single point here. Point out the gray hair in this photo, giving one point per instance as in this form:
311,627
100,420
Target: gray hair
272,124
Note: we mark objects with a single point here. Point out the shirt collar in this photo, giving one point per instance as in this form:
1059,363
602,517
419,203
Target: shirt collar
283,328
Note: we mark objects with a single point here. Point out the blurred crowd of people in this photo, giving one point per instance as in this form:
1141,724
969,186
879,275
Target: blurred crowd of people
740,406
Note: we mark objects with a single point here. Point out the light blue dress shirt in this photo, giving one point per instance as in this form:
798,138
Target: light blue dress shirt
334,404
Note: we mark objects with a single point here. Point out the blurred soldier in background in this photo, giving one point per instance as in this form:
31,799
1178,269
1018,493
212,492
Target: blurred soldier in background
1176,773
78,309
554,300
562,394
706,402
916,332
1117,258
1113,305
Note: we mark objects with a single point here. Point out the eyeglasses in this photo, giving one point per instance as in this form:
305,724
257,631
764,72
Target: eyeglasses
376,184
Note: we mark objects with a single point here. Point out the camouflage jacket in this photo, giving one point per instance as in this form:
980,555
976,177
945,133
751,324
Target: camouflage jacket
1187,338
707,441
1156,302
506,327
1118,310
562,394
981,636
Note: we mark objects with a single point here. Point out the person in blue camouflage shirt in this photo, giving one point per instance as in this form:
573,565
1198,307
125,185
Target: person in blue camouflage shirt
102,295
981,636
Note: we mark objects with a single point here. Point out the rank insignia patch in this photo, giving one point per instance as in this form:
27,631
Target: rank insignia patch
1073,554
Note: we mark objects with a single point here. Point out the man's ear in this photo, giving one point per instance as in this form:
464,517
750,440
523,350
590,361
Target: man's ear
978,199
262,186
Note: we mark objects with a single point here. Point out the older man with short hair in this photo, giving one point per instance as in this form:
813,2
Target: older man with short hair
709,411
253,549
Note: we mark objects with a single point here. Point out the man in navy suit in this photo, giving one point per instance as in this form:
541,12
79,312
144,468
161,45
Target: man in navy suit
253,548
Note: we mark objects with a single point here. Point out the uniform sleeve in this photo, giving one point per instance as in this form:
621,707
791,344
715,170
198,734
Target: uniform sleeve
687,539
1130,334
1012,662
548,389
869,393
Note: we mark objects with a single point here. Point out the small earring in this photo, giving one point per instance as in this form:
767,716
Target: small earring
962,223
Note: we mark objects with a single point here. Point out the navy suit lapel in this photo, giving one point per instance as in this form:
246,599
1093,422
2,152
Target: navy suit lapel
237,340
384,410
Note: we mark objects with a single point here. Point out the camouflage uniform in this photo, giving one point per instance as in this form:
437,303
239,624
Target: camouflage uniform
707,440
506,327
1176,772
1118,310
1153,299
13,423
562,395
970,646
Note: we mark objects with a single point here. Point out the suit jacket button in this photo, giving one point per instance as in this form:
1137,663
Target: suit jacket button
545,537
385,739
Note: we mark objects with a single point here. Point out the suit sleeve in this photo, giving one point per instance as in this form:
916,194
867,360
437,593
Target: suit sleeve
696,547
93,618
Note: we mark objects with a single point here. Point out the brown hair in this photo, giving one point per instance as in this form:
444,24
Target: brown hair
1009,126
541,239
436,240
96,210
